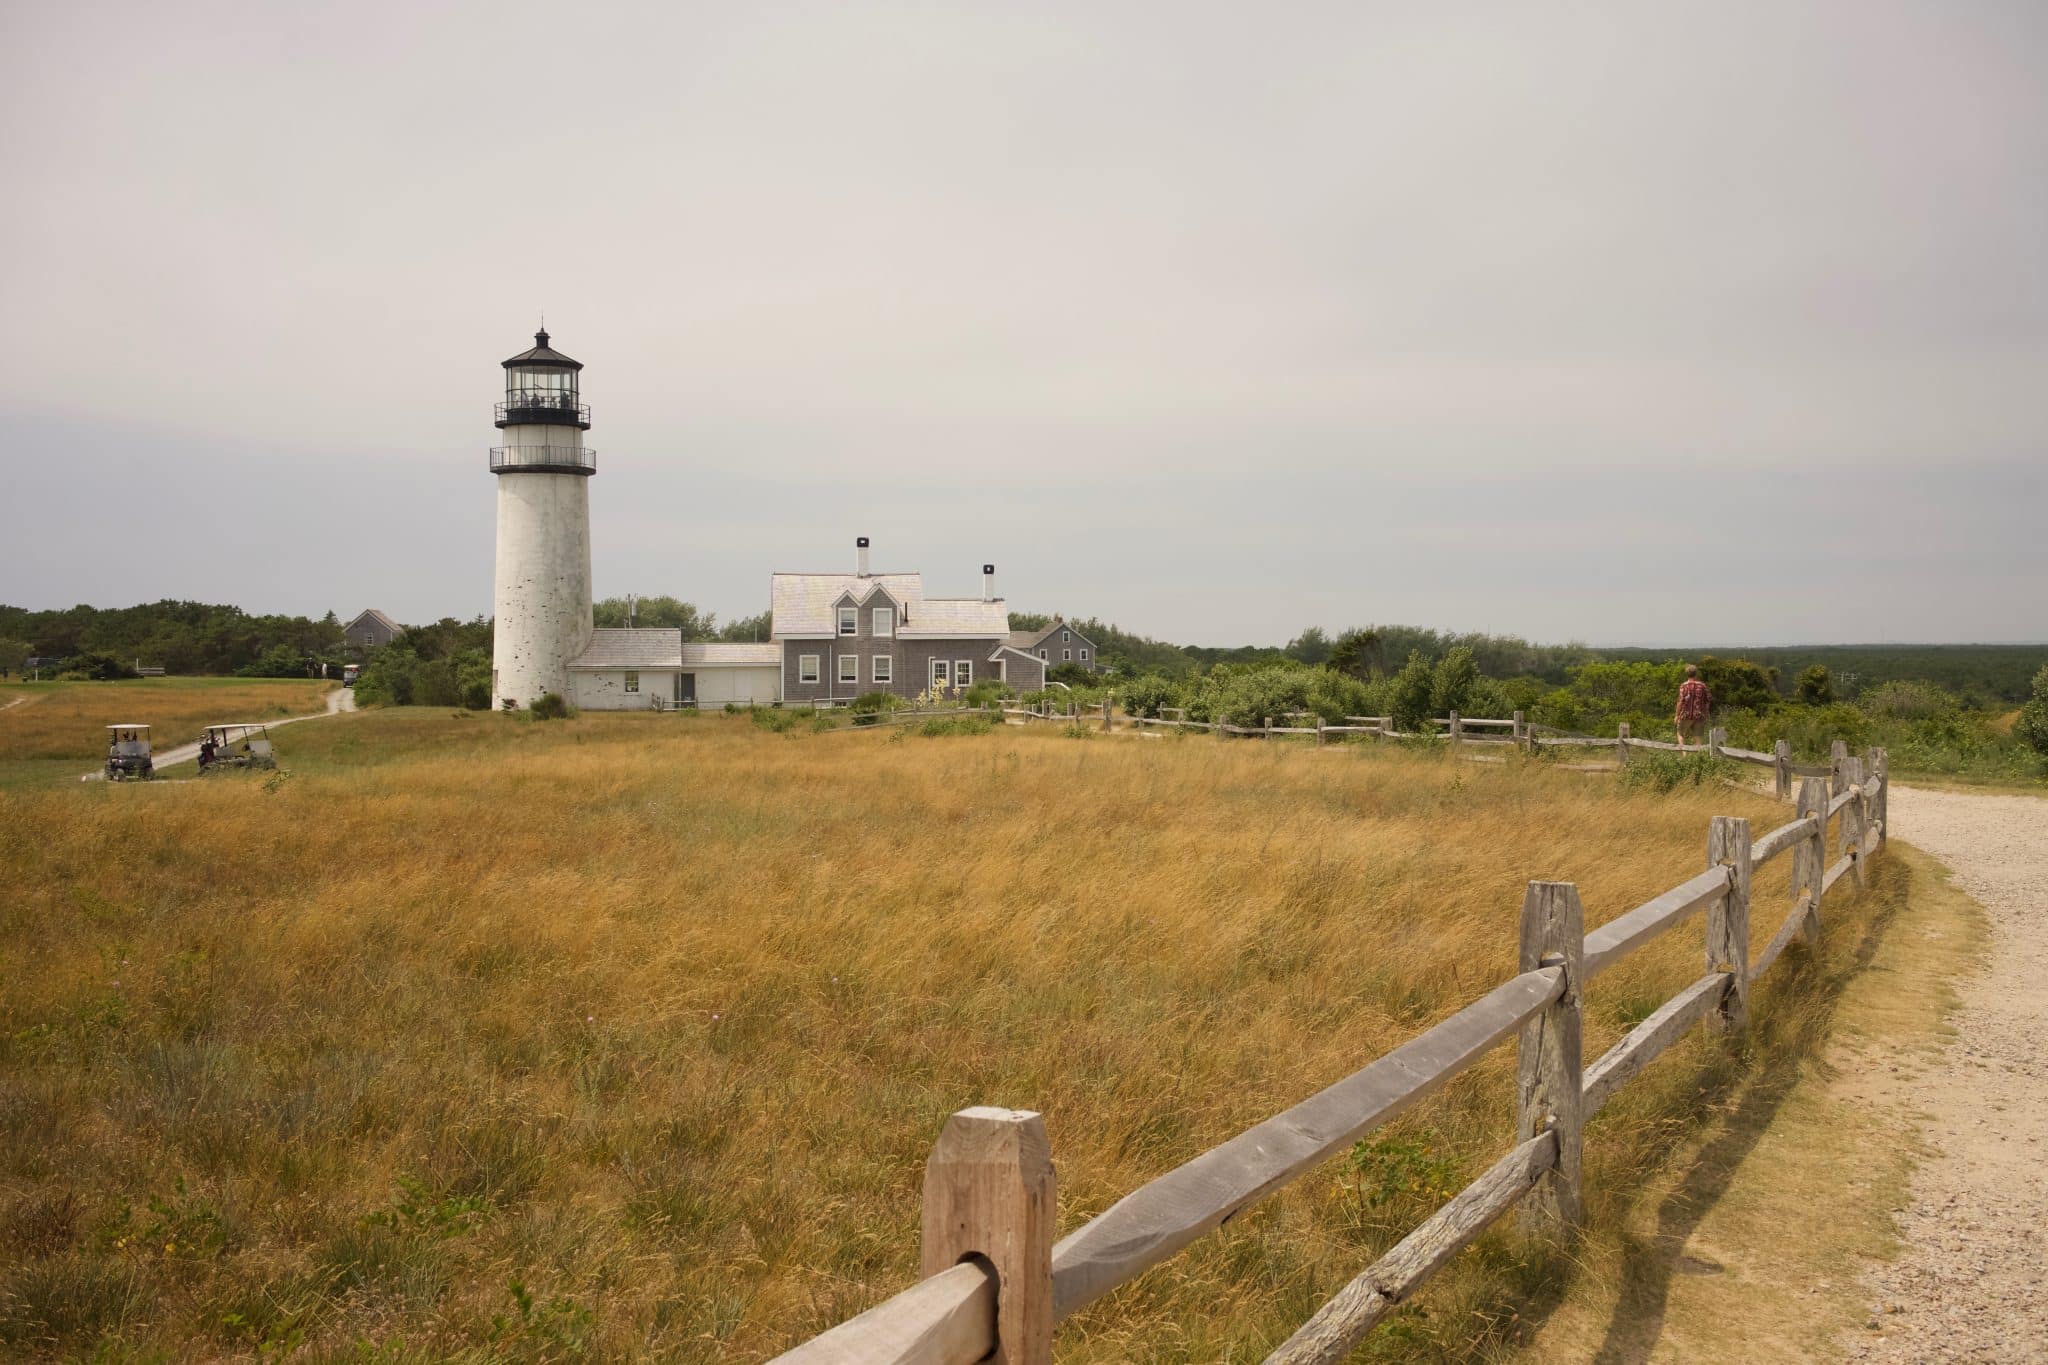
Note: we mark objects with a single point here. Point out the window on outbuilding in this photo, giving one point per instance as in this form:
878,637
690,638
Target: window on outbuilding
849,620
807,668
632,680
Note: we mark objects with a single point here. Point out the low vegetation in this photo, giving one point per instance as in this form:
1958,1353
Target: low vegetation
628,1035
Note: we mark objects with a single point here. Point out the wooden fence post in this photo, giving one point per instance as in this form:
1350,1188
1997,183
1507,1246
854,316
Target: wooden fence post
1107,699
1838,754
1269,727
1781,768
1716,737
1320,741
1621,743
1550,1056
988,1192
1728,917
1457,731
1521,727
1881,769
1810,857
1854,822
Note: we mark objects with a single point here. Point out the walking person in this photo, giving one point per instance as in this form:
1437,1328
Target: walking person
1693,703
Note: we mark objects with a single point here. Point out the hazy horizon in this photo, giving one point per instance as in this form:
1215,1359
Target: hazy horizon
1637,325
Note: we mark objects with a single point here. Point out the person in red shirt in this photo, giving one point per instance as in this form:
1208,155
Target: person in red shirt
1693,701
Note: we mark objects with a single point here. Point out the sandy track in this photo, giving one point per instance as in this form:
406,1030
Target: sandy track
1972,1284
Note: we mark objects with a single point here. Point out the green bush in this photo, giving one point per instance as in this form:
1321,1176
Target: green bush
1901,700
2031,728
550,706
1816,688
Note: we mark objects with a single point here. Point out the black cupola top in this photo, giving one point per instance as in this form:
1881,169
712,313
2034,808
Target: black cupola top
543,356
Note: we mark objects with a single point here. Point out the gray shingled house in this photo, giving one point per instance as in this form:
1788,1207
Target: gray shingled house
371,630
843,634
1059,643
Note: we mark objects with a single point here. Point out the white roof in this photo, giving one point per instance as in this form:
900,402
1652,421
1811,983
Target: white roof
611,647
958,616
713,654
802,603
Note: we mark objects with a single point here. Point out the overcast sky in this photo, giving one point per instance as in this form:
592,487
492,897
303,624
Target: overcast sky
1657,323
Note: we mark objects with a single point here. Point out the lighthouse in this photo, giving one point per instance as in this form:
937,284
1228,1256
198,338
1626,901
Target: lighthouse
541,601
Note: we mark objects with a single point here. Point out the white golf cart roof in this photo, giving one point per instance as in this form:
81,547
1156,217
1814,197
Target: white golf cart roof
252,727
127,727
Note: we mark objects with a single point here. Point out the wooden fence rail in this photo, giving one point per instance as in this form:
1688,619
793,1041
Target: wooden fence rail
996,1285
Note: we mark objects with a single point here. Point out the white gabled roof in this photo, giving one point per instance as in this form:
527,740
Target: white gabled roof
801,603
622,648
714,654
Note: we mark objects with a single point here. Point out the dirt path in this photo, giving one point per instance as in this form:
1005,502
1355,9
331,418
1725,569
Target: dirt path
1972,1284
339,700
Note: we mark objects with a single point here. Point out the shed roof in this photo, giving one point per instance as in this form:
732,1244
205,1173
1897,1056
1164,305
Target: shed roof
615,647
716,653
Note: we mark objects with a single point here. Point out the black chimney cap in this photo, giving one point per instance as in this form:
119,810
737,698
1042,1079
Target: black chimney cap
860,543
988,568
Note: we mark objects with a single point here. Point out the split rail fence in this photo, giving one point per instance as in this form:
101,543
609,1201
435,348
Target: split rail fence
997,1285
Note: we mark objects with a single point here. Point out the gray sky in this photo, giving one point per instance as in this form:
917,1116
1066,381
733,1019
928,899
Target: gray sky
1636,322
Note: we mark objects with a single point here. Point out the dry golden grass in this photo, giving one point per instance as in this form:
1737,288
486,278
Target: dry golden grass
69,720
656,1018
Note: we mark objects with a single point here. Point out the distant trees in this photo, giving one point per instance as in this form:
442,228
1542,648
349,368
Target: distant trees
657,613
1312,646
183,637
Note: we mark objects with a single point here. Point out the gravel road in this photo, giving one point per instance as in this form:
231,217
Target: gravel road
1973,1282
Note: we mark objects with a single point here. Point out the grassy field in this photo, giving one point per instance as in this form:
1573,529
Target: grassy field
477,1038
54,731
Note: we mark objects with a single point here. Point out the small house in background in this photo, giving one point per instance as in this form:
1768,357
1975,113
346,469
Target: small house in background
1059,643
371,630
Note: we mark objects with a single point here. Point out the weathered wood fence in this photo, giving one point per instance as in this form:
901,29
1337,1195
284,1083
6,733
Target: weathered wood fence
996,1284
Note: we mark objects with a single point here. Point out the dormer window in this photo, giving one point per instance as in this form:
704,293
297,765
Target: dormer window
884,624
849,620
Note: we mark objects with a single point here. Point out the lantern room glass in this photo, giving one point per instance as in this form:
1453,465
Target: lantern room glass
546,387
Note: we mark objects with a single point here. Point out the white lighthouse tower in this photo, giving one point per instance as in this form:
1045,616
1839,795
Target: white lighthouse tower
542,598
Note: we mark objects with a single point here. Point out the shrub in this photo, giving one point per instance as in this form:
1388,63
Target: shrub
550,706
1903,700
1409,698
1147,695
2032,726
1815,687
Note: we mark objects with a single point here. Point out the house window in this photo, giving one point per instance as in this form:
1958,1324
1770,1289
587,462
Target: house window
1041,654
1084,656
1066,637
849,620
632,680
882,669
1002,670
807,668
1066,656
963,673
938,672
849,668
884,622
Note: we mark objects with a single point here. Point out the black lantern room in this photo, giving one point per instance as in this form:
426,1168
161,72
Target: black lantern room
540,388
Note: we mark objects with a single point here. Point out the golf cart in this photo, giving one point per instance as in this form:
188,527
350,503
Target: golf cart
128,753
235,746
